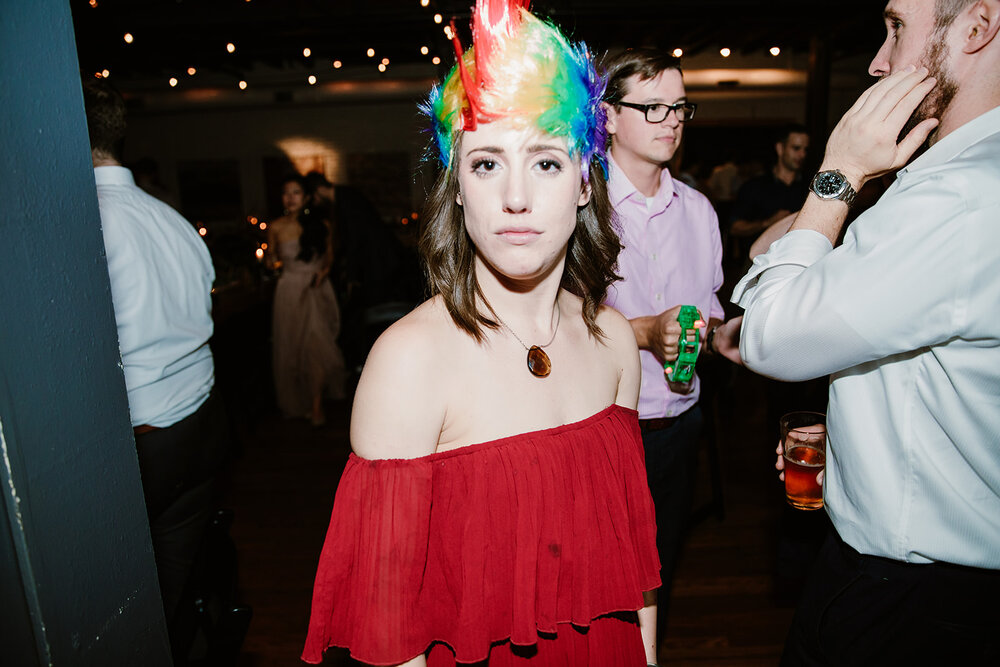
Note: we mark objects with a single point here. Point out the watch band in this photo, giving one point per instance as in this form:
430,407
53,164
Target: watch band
709,339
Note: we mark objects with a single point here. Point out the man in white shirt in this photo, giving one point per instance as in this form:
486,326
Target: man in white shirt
905,316
161,281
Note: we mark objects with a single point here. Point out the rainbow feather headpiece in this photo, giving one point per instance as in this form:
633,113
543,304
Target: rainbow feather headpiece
524,69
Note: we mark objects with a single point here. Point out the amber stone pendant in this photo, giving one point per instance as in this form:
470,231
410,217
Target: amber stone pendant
538,362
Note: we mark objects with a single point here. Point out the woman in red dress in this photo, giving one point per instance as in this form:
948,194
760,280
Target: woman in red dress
495,509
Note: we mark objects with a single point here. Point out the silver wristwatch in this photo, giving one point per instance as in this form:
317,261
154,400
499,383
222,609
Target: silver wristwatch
833,185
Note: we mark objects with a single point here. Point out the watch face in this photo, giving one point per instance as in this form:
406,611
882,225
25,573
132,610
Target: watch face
829,184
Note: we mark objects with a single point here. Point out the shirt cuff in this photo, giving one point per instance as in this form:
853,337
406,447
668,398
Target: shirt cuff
801,247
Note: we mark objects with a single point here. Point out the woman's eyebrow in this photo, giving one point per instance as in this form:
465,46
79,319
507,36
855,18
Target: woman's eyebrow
539,148
497,150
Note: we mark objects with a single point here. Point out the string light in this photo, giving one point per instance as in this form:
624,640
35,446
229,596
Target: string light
436,60
437,18
677,53
173,81
231,47
191,71
260,253
385,61
447,32
243,85
105,73
423,3
337,64
93,3
775,50
202,231
724,52
312,79
128,38
307,52
424,50
381,67
371,53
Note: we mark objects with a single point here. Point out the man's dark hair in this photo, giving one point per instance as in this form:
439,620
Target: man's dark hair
315,180
647,63
785,131
105,117
449,254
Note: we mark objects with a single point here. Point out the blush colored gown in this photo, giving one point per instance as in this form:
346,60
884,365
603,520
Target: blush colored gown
532,549
305,325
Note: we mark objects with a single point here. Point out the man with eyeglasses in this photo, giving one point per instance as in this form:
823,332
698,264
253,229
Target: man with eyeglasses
672,256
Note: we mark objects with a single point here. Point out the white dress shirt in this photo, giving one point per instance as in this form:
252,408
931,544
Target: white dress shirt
161,282
905,316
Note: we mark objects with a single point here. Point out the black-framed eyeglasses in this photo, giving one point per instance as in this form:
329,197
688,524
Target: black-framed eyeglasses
657,113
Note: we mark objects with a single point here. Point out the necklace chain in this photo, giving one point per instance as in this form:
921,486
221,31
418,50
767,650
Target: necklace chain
554,331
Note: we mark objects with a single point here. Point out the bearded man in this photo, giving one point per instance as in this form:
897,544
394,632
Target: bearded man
904,317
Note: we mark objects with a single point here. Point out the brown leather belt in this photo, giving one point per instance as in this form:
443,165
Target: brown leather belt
144,428
657,423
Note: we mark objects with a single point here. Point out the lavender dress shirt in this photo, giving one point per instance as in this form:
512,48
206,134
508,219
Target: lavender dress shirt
672,256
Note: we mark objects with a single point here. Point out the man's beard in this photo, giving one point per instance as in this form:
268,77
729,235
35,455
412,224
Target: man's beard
937,101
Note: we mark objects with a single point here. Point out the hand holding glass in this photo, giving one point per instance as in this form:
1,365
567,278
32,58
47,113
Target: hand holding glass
803,439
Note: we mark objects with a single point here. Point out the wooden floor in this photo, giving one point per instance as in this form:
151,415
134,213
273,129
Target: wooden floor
728,607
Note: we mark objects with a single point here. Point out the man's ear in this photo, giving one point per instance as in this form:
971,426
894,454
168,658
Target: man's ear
779,147
610,123
979,24
585,191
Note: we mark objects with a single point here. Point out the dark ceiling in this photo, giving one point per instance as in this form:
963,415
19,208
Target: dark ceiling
172,35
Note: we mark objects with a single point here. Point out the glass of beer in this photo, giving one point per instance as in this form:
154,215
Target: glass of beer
803,437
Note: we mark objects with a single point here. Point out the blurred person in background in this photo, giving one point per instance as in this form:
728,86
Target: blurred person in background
307,362
161,281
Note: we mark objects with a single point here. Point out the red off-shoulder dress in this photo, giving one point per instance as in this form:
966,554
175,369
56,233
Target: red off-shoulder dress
530,549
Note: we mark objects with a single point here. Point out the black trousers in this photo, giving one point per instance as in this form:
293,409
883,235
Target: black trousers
179,465
866,610
671,465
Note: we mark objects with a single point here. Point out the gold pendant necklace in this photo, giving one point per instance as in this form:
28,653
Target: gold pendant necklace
539,363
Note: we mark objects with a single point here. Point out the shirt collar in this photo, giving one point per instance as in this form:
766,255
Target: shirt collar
945,150
621,188
113,175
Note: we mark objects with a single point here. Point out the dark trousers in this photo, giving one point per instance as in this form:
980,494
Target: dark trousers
865,610
179,465
671,465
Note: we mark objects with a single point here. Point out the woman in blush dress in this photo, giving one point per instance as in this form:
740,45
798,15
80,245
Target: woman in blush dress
495,509
307,362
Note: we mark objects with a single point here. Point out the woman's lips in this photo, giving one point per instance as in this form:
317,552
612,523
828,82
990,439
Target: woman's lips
518,235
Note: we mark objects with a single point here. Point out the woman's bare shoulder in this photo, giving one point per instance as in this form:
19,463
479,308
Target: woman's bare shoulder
615,327
399,404
620,340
